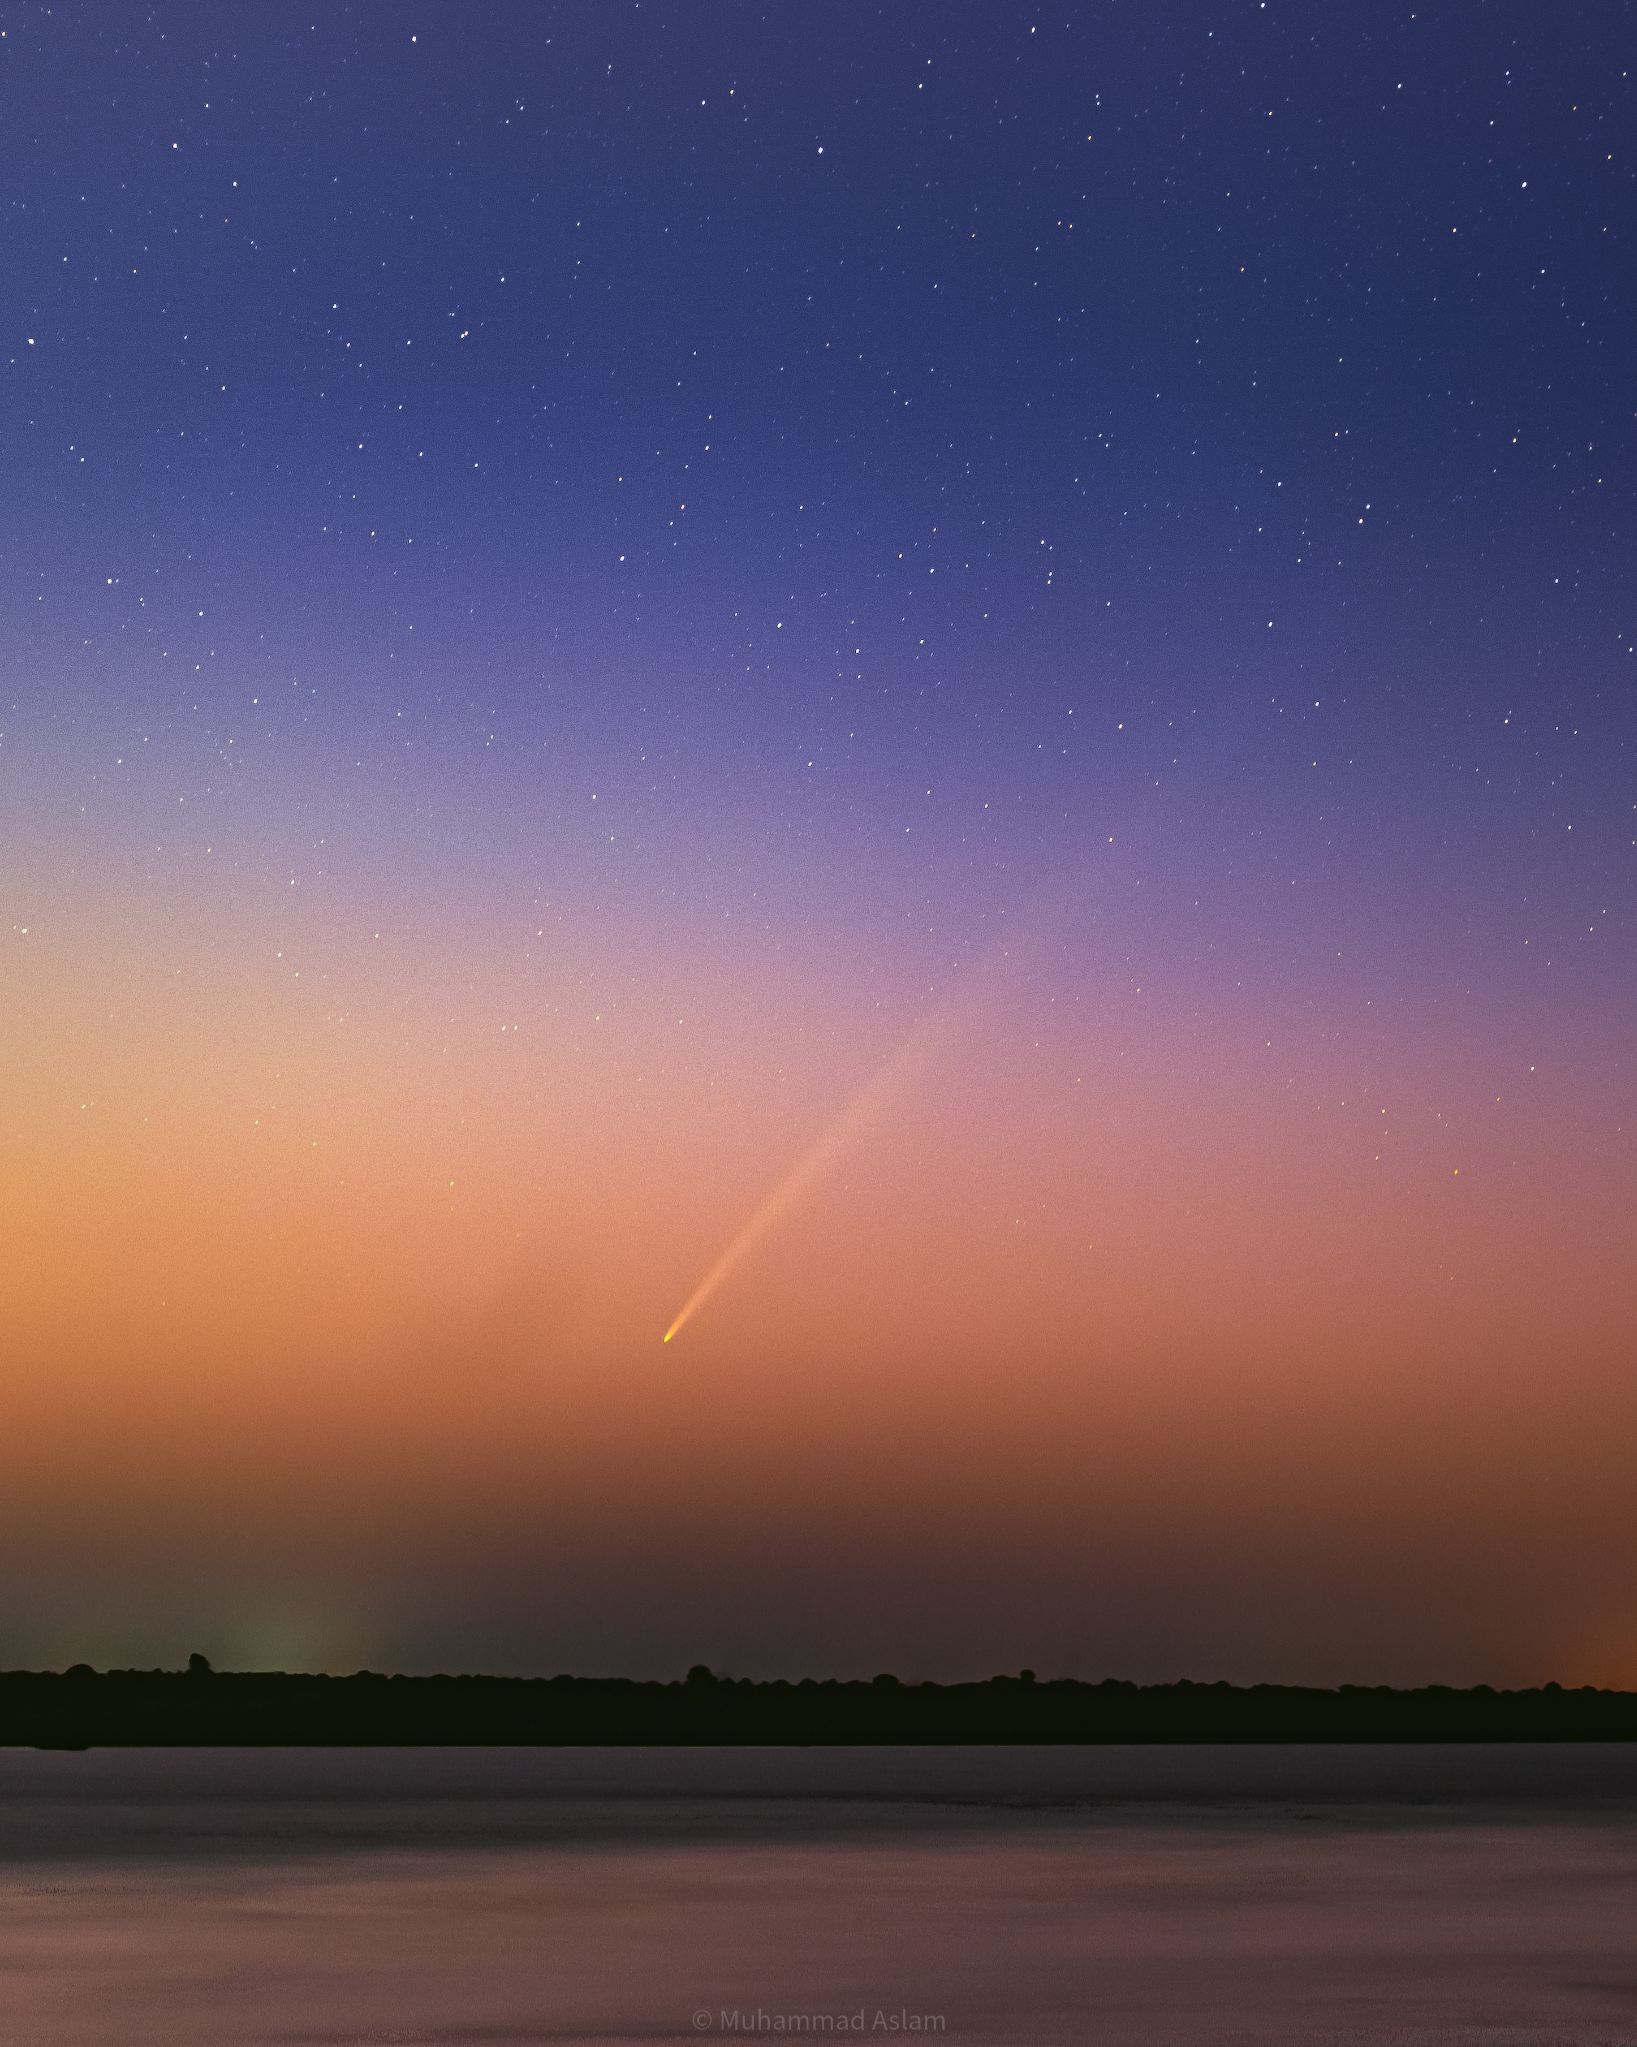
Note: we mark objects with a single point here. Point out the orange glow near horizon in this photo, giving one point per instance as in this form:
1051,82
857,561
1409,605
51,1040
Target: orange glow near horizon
1113,1315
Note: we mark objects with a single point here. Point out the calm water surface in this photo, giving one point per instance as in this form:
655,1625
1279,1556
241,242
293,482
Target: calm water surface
1400,1895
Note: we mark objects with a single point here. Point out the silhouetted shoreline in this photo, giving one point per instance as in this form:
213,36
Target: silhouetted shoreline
83,1708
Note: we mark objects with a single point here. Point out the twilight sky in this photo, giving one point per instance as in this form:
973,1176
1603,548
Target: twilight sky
993,643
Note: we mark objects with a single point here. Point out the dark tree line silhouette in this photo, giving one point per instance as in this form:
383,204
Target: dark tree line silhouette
81,1707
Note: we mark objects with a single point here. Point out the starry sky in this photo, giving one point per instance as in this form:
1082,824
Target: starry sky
972,665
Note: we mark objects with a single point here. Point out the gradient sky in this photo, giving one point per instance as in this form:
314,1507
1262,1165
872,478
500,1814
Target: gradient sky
584,585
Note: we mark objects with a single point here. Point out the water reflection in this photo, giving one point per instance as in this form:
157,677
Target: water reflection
1128,1896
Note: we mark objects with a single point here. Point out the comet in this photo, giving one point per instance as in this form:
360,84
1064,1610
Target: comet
853,1121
